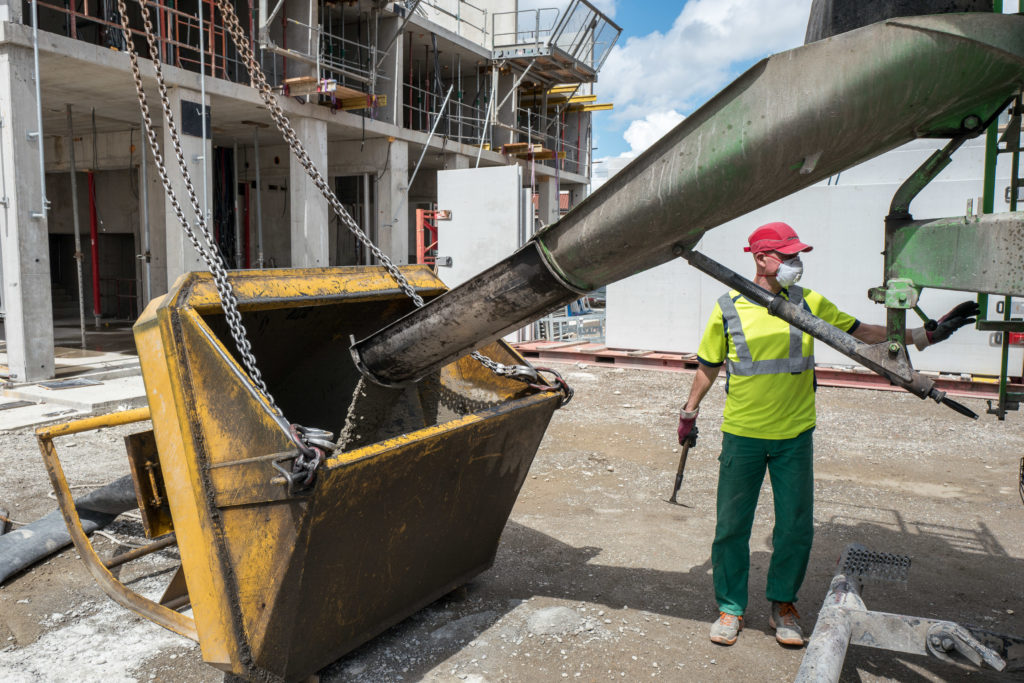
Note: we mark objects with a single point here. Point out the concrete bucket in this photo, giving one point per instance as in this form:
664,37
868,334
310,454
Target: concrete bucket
283,583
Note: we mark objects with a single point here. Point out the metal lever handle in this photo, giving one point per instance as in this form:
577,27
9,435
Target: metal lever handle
892,363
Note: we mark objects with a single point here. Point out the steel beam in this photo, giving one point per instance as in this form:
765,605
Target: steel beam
965,253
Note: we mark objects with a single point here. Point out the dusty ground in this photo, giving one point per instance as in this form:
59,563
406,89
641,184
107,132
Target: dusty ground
597,577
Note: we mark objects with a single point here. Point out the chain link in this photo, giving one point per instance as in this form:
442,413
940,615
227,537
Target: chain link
208,251
244,48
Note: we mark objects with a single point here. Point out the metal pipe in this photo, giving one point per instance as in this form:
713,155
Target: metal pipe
238,214
788,122
426,146
94,237
202,116
74,218
259,200
147,258
136,553
826,650
487,125
433,129
888,359
94,244
38,135
366,218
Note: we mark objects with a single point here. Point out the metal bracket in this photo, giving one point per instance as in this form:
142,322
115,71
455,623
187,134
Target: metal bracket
443,261
897,293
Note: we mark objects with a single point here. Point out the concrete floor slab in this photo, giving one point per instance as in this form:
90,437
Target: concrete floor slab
36,414
109,395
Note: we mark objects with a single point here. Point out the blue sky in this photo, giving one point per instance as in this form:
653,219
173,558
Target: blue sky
673,56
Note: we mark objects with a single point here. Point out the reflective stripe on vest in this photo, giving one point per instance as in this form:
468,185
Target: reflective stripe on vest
746,365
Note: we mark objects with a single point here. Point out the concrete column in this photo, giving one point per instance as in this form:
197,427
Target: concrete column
156,199
547,201
10,10
392,204
506,114
181,255
457,161
576,127
577,193
24,239
300,38
391,69
310,233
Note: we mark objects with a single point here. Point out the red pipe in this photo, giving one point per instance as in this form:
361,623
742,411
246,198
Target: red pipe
94,243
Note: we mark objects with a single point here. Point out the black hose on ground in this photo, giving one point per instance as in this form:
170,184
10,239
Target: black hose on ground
24,547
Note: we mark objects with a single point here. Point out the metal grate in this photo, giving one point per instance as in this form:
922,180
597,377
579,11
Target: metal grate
864,563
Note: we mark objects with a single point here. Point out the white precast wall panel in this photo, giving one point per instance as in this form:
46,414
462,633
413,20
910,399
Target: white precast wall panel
485,224
665,308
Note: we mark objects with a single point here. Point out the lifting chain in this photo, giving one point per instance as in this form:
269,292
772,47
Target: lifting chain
310,442
309,456
522,373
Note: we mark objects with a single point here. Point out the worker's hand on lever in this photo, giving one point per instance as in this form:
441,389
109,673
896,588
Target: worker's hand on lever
687,424
962,314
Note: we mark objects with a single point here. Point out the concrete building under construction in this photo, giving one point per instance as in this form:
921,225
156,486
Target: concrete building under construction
383,96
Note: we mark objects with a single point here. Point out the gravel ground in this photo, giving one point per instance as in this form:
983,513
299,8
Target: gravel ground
597,577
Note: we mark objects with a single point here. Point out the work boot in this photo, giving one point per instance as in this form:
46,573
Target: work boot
726,629
786,622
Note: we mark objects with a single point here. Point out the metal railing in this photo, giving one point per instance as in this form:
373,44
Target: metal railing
524,27
462,18
569,154
581,31
586,34
462,121
178,34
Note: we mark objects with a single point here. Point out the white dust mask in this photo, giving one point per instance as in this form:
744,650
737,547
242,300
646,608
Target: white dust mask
790,272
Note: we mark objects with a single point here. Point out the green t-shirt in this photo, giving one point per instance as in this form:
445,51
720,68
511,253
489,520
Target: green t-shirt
772,406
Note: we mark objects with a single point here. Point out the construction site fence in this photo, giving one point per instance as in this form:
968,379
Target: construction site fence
584,327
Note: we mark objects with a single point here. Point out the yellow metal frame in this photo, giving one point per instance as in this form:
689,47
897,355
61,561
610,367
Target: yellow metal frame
164,616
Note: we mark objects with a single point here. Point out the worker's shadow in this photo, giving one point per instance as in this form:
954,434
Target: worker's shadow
531,564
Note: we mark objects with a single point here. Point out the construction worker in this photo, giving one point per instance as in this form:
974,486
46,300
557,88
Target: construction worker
768,423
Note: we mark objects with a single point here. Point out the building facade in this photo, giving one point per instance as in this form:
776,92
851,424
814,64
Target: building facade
382,96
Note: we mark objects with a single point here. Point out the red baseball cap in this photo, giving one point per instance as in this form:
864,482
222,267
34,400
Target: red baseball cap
775,237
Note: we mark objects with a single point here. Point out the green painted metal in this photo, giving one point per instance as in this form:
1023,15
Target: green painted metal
963,253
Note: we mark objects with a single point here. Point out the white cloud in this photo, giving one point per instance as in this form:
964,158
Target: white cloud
640,134
696,57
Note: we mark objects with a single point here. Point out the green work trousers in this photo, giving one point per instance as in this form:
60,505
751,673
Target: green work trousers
740,475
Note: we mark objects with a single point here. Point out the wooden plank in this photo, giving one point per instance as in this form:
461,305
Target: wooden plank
520,149
364,101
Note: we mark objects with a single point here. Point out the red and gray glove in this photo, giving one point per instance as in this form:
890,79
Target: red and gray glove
962,314
687,420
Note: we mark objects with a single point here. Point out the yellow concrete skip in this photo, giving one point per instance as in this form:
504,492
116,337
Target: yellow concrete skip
280,583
